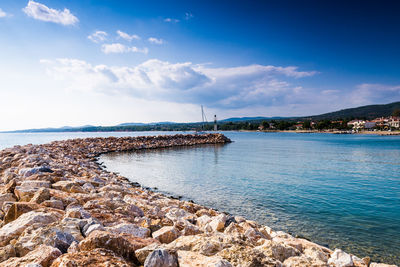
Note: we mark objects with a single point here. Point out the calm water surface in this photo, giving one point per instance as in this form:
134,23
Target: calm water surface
337,190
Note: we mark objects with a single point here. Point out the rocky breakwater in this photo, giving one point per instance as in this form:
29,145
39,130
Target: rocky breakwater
59,207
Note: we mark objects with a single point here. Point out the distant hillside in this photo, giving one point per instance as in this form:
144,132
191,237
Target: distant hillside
368,112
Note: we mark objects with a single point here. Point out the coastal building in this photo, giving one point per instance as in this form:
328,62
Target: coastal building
369,124
356,124
394,123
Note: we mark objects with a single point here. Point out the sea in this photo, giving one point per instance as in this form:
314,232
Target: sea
340,191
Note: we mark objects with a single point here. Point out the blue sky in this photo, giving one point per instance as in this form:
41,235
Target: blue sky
103,62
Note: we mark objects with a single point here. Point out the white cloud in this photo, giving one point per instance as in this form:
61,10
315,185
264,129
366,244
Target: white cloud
171,20
98,36
368,93
120,48
41,12
154,40
2,13
227,88
127,37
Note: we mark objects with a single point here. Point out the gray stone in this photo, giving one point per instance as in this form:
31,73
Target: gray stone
161,258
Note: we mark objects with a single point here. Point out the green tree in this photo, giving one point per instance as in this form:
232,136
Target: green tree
307,125
396,113
265,124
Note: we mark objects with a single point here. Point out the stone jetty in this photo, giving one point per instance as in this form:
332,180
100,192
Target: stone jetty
59,207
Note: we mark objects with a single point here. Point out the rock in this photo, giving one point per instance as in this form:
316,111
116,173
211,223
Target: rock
54,203
9,187
24,193
17,209
190,259
239,255
374,264
93,227
65,186
42,255
35,184
7,252
26,172
316,253
130,228
340,259
298,261
88,187
161,258
41,195
7,197
166,234
176,214
74,247
51,235
277,251
15,228
117,244
218,222
94,258
142,253
203,221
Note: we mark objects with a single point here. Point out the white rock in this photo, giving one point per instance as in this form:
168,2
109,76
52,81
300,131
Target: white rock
340,258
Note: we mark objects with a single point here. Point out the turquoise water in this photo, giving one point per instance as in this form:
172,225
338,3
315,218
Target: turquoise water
337,190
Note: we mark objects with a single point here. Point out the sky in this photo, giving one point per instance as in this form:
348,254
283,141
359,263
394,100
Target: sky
101,62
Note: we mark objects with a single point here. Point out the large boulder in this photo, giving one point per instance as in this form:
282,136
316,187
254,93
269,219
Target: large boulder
19,208
340,258
42,255
42,194
15,228
52,235
167,234
116,243
95,258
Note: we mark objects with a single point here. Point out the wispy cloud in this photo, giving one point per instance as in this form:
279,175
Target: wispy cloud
127,36
41,12
154,40
3,14
228,88
188,15
120,48
171,20
98,36
368,93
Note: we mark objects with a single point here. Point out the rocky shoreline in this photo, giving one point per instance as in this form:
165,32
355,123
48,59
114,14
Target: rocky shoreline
59,207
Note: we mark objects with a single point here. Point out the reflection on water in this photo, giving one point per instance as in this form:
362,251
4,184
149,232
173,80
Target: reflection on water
337,190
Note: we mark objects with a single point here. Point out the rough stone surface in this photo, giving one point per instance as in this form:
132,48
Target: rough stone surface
340,259
42,255
15,228
161,258
116,243
166,234
193,259
94,258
